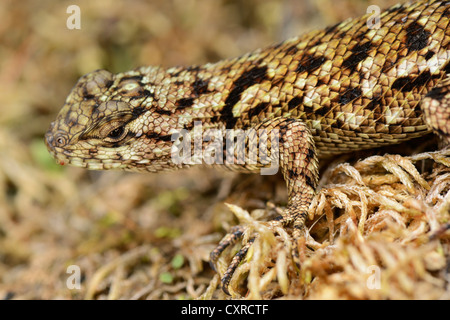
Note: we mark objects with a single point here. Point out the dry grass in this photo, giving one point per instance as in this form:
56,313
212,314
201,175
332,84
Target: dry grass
379,231
149,236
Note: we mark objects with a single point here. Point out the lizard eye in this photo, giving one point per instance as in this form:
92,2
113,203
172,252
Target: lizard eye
116,134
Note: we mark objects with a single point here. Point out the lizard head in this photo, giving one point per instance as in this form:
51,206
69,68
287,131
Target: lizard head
110,122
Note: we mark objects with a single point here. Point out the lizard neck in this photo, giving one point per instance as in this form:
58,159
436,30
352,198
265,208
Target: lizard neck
217,94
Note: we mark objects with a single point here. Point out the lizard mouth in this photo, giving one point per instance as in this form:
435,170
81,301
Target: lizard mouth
94,164
91,164
57,146
61,157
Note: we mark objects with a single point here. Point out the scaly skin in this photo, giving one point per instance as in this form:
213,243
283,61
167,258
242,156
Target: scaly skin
344,88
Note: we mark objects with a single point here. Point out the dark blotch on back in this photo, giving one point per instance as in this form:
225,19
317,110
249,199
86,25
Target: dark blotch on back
438,93
374,103
159,137
359,53
310,63
193,69
246,79
162,112
429,55
200,86
295,102
133,78
416,37
184,102
256,110
142,93
447,68
321,112
137,111
406,84
350,95
291,50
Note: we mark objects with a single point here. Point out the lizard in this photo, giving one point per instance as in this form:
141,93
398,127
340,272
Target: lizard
350,86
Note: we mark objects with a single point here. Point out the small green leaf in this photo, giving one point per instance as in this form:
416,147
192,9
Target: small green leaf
177,261
166,277
41,155
165,232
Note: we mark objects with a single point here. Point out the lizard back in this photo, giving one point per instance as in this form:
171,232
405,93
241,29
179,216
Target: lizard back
355,86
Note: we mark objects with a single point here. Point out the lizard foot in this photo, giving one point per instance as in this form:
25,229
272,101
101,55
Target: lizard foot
294,225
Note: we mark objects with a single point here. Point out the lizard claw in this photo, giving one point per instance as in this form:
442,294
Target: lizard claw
237,259
236,234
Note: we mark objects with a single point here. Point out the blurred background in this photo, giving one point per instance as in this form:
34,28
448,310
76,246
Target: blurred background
132,235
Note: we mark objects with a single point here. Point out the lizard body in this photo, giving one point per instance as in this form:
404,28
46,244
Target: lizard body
347,87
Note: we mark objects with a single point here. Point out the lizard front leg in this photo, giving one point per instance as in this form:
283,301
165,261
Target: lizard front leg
436,109
298,162
299,165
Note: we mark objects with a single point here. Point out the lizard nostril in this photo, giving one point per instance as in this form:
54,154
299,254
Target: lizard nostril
49,139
